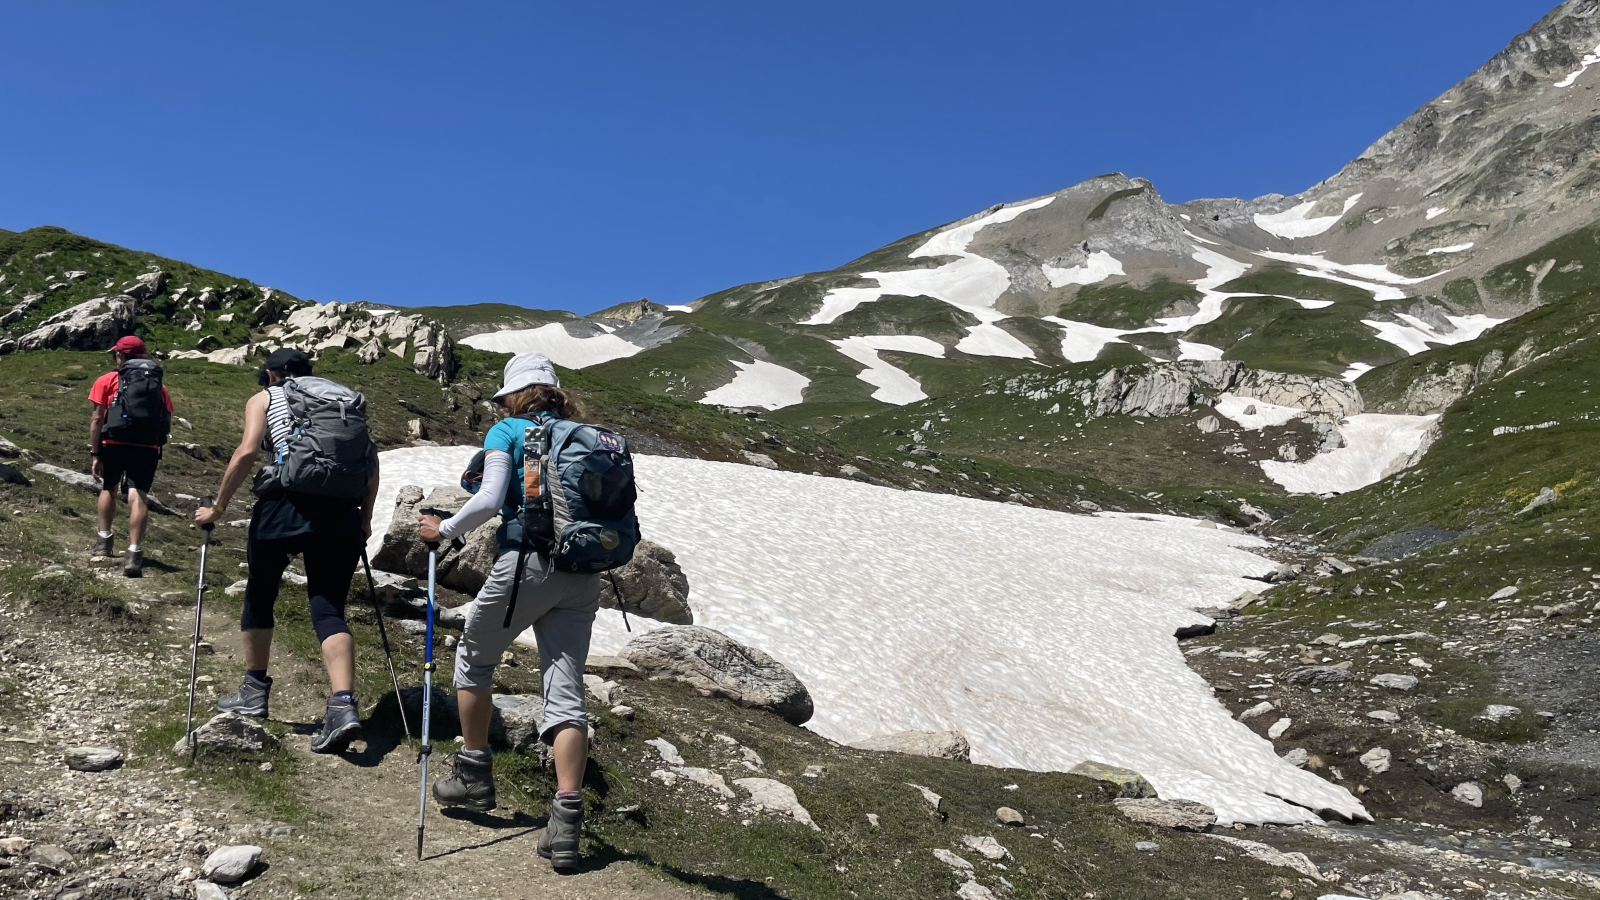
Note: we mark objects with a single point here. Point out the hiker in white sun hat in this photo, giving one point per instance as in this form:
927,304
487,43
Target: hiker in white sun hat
524,371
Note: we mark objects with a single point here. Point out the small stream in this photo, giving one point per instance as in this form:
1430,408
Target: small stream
1524,851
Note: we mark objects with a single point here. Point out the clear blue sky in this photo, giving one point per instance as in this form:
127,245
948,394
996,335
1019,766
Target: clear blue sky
575,155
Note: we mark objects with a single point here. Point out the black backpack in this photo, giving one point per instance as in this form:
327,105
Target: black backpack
138,413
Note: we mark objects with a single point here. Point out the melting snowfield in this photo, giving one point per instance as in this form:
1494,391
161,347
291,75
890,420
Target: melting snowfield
894,385
1375,446
1046,638
1413,335
760,383
554,341
1292,222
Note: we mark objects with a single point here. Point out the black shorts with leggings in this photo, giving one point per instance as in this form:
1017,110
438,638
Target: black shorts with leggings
330,566
137,464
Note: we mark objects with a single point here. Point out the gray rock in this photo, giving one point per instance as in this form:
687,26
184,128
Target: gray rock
1209,425
1005,815
228,731
1546,497
519,716
1272,856
934,800
1299,757
92,759
972,890
69,477
1394,682
952,860
719,666
402,551
1314,394
51,855
1505,593
1316,676
1377,760
231,865
669,752
986,847
1183,814
1468,792
205,890
10,475
777,797
937,744
91,325
652,585
1496,712
1279,728
1146,846
759,459
1386,716
707,779
9,450
1129,783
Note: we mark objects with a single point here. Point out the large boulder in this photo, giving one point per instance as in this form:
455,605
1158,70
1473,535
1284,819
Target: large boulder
937,744
91,325
1186,815
652,584
513,726
1314,394
719,666
1129,784
230,731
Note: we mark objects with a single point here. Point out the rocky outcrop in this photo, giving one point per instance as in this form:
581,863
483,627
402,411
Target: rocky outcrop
1129,784
1186,815
652,585
937,744
1160,390
92,325
337,325
1328,396
718,666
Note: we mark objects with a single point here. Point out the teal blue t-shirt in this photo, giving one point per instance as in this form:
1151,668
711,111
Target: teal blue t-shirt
506,436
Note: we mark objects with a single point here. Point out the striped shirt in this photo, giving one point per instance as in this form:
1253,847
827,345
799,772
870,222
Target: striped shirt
279,423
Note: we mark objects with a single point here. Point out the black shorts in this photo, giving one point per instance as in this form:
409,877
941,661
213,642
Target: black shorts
136,464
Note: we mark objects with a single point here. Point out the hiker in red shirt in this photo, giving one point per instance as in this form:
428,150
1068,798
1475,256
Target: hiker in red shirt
130,418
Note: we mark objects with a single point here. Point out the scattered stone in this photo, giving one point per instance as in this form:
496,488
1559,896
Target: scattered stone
51,855
759,459
230,865
1512,783
776,796
518,718
1008,816
1496,712
1394,682
9,450
972,890
1468,792
1260,709
936,744
1146,846
1299,757
1546,497
986,847
652,585
1327,640
1316,676
1208,425
622,712
228,731
706,778
952,860
92,759
669,753
600,689
1386,716
1278,728
1183,814
1389,639
69,477
1129,783
205,890
1505,593
1272,856
933,799
719,666
1376,760
14,846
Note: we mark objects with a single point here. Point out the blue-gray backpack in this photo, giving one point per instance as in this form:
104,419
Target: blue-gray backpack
578,495
329,452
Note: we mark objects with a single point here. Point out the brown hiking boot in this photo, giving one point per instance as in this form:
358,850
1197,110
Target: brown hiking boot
133,564
562,834
102,547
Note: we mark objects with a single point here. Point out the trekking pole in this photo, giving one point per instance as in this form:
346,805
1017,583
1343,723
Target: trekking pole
194,653
383,634
427,693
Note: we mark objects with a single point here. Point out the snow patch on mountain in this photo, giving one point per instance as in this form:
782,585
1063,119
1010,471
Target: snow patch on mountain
1376,446
1453,248
970,281
1292,222
1082,342
1356,370
1435,212
1197,351
1414,335
760,383
1044,652
1588,60
989,339
554,341
1100,266
893,384
1372,277
1261,415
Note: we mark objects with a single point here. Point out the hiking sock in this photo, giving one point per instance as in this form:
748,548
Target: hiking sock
133,548
568,795
343,697
103,534
258,674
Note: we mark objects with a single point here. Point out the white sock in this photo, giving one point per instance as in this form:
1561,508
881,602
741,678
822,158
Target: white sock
133,548
104,535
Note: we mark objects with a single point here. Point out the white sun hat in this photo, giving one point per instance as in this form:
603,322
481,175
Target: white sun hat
526,370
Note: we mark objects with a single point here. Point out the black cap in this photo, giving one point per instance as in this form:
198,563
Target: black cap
287,360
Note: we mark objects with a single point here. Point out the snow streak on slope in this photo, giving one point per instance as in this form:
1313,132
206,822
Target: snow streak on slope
970,282
989,339
1045,638
1588,60
1292,223
554,341
1264,415
762,384
1100,266
893,384
1081,341
1367,276
1375,446
1414,335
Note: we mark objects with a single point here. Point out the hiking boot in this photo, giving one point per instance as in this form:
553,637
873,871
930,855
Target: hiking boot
102,546
250,700
341,724
559,842
472,785
133,564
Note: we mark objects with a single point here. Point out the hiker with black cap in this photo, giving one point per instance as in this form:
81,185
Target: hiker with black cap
129,421
314,498
559,605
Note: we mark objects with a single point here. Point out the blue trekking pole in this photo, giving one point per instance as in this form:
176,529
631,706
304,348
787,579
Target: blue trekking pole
427,692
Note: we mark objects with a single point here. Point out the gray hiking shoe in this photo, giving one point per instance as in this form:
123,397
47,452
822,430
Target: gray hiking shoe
133,564
341,724
102,546
472,785
250,700
559,842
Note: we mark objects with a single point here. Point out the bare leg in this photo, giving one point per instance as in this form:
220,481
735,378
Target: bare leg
138,516
477,709
571,746
339,657
106,510
257,645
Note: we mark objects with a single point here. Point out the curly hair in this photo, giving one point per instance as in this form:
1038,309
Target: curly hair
539,398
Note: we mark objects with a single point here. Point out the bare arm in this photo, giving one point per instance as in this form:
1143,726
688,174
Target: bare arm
97,419
243,460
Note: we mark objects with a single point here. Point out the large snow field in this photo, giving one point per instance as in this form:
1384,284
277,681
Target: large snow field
1046,638
1376,445
1414,335
1292,222
1099,266
554,341
762,384
894,385
970,281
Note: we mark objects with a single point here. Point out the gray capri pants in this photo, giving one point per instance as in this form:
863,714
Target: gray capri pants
559,607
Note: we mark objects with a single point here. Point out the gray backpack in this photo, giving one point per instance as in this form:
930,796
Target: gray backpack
328,452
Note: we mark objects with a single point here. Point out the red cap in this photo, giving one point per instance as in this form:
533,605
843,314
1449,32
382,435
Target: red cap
130,346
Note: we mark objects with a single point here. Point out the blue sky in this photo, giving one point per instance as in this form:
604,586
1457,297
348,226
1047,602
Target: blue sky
576,155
